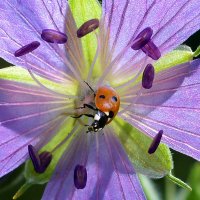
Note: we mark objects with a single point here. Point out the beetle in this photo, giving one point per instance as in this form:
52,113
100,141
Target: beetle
107,103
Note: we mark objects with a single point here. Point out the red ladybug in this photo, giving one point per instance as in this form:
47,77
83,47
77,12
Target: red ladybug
107,104
107,100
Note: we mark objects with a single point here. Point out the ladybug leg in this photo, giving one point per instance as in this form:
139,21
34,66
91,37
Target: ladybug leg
88,106
88,115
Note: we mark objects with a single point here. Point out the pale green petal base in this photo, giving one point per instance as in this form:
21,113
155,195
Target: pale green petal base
21,75
35,178
136,144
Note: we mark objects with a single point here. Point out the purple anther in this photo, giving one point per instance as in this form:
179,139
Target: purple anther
151,50
53,36
34,157
155,143
40,162
80,177
27,49
148,76
45,160
142,39
87,27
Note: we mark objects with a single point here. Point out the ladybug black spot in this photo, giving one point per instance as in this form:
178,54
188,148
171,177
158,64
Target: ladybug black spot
114,98
102,96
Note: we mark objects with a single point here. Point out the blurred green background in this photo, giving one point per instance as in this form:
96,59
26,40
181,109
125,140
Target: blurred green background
185,168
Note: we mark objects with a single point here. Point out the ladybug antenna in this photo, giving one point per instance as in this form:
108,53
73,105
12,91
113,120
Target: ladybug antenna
90,87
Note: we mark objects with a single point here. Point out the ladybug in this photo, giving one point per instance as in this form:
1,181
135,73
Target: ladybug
107,104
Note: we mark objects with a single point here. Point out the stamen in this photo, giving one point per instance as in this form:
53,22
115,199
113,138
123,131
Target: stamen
80,177
27,49
142,39
148,76
53,36
34,157
155,143
40,162
87,27
151,50
45,159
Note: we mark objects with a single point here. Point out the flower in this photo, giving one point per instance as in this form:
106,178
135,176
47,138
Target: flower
38,104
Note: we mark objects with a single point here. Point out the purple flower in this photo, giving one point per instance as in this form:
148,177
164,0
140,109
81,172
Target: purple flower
40,101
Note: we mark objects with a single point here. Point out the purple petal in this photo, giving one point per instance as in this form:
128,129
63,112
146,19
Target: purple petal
19,26
109,172
171,105
172,23
29,115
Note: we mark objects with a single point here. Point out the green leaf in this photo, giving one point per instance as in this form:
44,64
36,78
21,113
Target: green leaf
84,10
21,75
136,144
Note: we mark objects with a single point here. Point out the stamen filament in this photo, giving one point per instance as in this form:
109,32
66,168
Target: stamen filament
134,78
113,63
69,65
47,89
95,58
